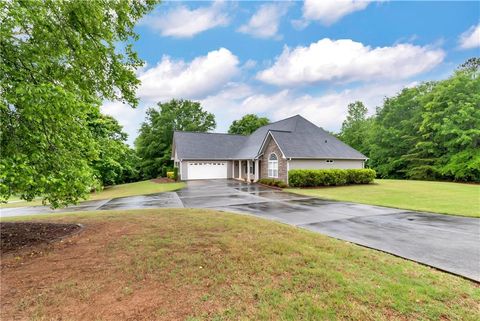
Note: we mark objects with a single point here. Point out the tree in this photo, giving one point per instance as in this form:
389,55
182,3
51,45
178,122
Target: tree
247,124
355,128
449,143
58,63
117,161
154,143
395,131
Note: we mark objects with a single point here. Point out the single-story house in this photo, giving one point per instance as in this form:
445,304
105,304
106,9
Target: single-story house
271,151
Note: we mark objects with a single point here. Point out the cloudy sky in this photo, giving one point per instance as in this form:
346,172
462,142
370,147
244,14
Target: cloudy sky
278,59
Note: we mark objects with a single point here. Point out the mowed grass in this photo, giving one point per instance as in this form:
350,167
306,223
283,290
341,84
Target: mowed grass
192,264
437,197
122,190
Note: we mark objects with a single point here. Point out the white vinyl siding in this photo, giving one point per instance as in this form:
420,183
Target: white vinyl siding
323,164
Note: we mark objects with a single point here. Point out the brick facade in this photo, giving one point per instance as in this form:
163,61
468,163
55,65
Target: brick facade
271,147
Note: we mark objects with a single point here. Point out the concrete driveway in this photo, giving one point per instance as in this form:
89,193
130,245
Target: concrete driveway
449,243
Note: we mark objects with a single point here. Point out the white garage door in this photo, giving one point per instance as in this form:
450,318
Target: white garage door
207,170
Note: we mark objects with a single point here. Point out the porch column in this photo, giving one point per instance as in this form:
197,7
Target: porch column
257,170
239,169
248,170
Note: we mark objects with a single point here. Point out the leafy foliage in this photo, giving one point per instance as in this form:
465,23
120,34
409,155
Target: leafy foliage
355,128
272,182
154,143
395,131
329,177
247,124
116,163
58,63
431,131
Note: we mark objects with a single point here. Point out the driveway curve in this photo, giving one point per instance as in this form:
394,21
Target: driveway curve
449,243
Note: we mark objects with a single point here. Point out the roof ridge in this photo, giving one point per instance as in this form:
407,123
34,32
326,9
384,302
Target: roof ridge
281,120
210,133
296,123
280,130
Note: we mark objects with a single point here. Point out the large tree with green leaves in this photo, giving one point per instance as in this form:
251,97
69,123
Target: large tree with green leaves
395,131
247,124
117,161
355,128
154,143
58,62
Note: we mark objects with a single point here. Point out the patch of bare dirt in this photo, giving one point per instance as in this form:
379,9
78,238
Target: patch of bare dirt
83,278
15,236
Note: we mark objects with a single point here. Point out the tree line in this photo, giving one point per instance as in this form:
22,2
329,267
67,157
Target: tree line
430,131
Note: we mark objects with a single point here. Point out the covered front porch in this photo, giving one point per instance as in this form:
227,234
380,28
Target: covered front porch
246,170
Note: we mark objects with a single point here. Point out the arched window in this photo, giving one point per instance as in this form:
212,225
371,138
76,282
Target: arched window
273,165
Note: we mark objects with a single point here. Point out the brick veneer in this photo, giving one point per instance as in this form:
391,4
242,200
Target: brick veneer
272,147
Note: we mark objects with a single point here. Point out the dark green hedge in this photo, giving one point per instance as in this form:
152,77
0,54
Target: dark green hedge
272,182
329,177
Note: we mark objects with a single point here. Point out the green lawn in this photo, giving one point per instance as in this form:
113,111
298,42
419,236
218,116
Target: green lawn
130,189
195,264
438,197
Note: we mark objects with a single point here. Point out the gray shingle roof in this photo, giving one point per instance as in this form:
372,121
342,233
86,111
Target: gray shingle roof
205,146
296,137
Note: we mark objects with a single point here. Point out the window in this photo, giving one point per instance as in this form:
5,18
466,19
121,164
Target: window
273,166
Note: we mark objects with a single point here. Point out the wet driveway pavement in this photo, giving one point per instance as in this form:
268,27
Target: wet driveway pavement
449,243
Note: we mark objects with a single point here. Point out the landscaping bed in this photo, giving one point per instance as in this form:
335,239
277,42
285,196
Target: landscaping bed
15,236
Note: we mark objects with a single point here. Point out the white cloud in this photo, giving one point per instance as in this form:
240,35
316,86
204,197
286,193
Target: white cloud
249,64
225,104
196,79
182,22
328,12
470,38
265,22
330,109
346,61
130,118
327,110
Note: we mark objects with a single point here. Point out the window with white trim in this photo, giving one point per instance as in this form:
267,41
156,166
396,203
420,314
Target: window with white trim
273,165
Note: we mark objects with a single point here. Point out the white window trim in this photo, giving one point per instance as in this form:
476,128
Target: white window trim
272,167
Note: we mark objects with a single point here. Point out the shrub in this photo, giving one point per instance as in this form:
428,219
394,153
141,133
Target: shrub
360,176
329,177
175,173
171,175
281,184
272,182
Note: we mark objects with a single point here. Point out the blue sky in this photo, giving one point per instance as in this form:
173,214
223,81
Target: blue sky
278,59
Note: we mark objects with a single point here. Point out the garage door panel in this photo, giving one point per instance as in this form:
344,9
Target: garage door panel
207,170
